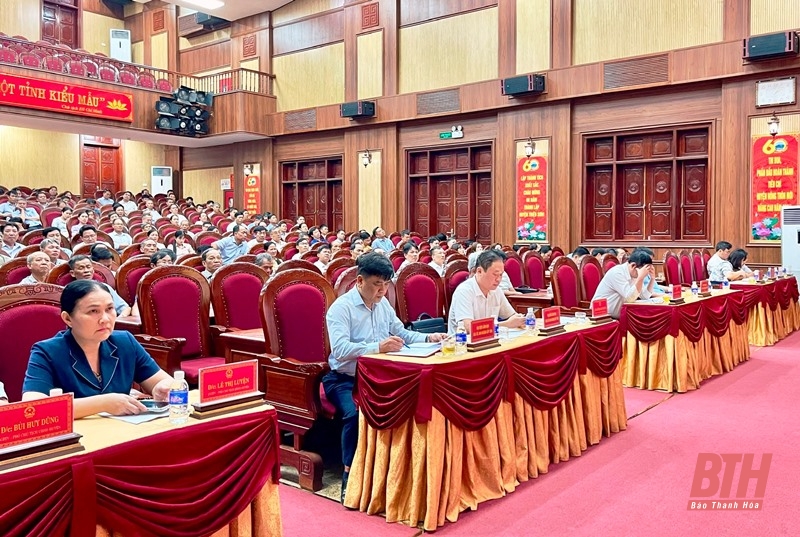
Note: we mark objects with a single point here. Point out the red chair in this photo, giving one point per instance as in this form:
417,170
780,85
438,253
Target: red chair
672,269
397,258
28,314
163,84
687,274
535,268
15,270
234,295
337,267
8,55
128,276
92,69
346,280
566,285
128,76
298,264
706,256
146,80
77,68
108,72
174,304
591,274
207,238
53,63
60,275
455,273
557,252
514,269
608,261
29,59
420,290
700,271
193,261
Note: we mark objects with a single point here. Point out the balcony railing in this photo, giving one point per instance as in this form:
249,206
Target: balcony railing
63,60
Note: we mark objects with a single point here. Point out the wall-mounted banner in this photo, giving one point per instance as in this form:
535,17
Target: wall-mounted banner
252,193
38,94
773,184
532,199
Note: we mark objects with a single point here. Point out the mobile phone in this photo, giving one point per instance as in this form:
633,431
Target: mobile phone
153,405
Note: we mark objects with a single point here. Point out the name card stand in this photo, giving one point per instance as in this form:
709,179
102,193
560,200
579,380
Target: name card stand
599,312
33,431
705,288
677,294
482,335
228,388
551,322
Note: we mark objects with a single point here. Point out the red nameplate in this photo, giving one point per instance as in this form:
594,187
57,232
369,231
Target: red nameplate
30,421
704,286
481,330
677,291
229,380
599,307
551,317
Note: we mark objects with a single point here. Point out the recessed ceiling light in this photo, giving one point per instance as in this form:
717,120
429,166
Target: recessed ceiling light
206,4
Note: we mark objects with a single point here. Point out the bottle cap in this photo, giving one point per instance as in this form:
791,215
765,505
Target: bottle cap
179,375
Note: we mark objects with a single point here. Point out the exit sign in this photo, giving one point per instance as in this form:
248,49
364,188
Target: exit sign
445,135
455,132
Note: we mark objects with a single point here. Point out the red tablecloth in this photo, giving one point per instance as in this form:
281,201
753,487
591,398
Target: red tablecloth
468,392
189,481
780,292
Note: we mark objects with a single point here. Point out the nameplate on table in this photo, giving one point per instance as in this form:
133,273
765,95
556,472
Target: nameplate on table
676,296
482,336
599,311
31,428
551,321
705,288
227,388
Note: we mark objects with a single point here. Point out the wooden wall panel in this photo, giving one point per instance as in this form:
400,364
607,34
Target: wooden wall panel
205,58
369,193
606,29
20,17
107,9
241,112
561,29
135,24
97,31
370,65
506,39
293,73
207,157
203,184
185,43
533,36
388,13
310,33
137,52
21,155
138,157
159,50
773,16
448,52
417,11
390,196
299,9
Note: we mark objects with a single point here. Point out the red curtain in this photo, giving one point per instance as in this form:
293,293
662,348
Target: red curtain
185,482
778,293
468,392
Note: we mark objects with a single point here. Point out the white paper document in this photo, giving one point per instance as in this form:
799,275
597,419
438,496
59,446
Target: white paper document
420,350
136,419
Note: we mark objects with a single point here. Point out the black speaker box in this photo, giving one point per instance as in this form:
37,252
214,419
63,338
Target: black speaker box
770,46
522,85
357,109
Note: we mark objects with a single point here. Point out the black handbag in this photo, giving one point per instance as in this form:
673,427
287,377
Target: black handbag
428,325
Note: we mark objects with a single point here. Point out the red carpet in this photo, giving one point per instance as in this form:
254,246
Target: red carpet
639,401
637,482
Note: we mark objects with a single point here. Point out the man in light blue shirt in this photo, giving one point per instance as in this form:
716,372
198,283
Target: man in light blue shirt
232,247
379,240
28,215
10,246
7,207
361,322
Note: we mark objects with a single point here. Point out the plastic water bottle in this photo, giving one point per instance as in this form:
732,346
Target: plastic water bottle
725,283
530,322
461,338
179,399
496,328
695,290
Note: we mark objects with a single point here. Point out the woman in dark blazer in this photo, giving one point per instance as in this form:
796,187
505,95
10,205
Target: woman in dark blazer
92,360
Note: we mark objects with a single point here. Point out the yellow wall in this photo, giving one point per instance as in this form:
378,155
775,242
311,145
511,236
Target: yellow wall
303,8
159,45
309,78
18,18
23,162
138,157
203,185
250,83
370,65
790,123
97,31
773,16
533,35
137,52
606,29
369,192
448,52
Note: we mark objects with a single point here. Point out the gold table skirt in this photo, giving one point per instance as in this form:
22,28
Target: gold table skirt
430,472
766,327
677,364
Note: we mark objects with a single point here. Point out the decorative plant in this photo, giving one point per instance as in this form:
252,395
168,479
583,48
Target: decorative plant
531,232
767,229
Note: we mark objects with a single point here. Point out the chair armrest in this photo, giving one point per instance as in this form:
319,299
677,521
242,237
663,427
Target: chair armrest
292,387
167,352
572,311
216,331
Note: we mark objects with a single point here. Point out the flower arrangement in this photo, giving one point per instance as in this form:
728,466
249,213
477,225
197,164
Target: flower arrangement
767,229
532,232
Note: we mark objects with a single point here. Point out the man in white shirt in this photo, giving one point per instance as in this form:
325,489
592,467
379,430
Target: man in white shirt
302,247
323,257
259,236
29,216
105,199
127,203
238,220
437,260
39,264
479,297
277,238
624,283
718,265
149,208
120,237
10,245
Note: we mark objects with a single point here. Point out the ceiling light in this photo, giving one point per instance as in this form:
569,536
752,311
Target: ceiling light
206,4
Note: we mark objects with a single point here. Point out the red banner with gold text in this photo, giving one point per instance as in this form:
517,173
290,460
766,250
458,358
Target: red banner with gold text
252,193
532,199
38,94
773,184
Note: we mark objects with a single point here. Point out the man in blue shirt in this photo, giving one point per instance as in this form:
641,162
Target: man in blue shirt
379,240
7,207
361,322
28,215
232,247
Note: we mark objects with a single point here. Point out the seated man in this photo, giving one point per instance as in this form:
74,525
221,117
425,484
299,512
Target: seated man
39,264
323,257
88,234
81,268
479,297
100,253
437,260
624,283
53,251
148,247
120,236
105,198
361,322
266,262
10,246
233,246
7,207
302,247
259,236
127,202
380,240
54,235
720,268
28,215
212,260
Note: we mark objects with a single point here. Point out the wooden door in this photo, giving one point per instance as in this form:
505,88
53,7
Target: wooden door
659,194
313,202
60,24
289,201
336,215
483,196
101,169
420,205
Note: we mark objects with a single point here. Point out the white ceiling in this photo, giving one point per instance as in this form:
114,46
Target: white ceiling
235,9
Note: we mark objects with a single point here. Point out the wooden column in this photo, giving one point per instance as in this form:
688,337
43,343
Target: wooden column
507,38
735,19
389,16
561,33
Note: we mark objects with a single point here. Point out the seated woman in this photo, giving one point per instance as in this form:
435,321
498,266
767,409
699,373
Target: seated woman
740,270
411,254
91,359
180,246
